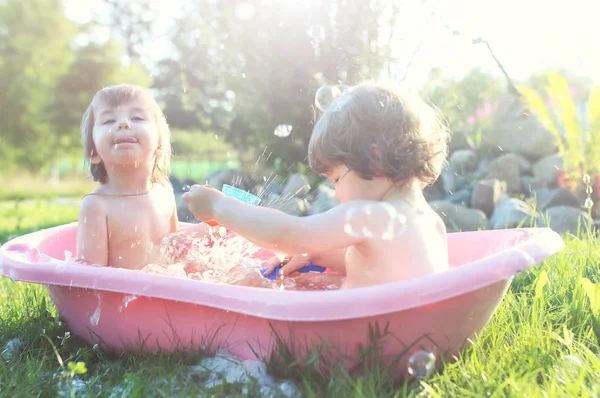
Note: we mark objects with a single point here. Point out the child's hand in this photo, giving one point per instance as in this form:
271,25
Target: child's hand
201,201
290,264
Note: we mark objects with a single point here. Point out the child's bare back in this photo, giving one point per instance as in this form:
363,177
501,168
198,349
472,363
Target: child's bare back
420,248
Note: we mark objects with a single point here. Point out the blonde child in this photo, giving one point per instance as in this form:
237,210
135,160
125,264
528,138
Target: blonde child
377,146
126,141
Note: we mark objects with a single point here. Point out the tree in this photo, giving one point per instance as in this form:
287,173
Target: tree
242,69
95,66
461,100
34,53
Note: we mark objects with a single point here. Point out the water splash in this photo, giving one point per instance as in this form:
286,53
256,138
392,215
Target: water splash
220,257
95,317
126,301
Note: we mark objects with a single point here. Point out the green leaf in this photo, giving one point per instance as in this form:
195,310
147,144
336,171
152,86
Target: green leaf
593,292
77,368
541,281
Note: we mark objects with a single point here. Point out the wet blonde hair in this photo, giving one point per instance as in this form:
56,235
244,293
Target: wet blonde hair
377,131
114,96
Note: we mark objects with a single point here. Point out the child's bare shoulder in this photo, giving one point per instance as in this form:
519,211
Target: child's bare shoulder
92,205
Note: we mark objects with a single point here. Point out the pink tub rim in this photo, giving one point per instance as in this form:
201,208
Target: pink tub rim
533,245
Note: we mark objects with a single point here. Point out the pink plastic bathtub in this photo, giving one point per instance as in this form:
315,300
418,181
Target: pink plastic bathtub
438,313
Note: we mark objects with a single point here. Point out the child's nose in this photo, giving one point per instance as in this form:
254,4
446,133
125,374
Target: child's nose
123,124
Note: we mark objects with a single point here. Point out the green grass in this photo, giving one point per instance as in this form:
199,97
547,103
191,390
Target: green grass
542,342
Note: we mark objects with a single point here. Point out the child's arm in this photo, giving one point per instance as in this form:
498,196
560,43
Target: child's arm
92,232
334,260
276,230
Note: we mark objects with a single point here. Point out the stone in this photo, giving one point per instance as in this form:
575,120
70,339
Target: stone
237,178
288,204
451,181
487,194
324,199
530,184
463,161
546,198
296,185
547,168
462,196
507,168
458,141
514,213
567,219
460,218
434,191
516,130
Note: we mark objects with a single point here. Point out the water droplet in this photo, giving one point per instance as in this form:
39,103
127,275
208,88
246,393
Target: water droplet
421,364
126,301
95,317
283,130
377,220
68,255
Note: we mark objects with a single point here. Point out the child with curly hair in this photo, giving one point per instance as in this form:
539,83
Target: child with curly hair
379,147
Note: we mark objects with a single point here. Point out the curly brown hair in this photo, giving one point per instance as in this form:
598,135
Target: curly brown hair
114,96
377,131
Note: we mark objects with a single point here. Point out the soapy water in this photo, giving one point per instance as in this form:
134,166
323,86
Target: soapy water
222,258
218,257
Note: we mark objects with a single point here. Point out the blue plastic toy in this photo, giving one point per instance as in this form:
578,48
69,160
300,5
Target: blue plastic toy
240,194
305,269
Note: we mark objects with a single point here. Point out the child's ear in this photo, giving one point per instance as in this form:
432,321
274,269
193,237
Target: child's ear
158,151
96,159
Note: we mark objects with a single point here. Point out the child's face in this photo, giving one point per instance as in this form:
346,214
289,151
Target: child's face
349,185
345,183
125,135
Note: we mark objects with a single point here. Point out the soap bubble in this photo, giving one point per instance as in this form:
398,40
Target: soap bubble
377,220
12,348
568,368
283,130
339,90
325,95
421,364
323,98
